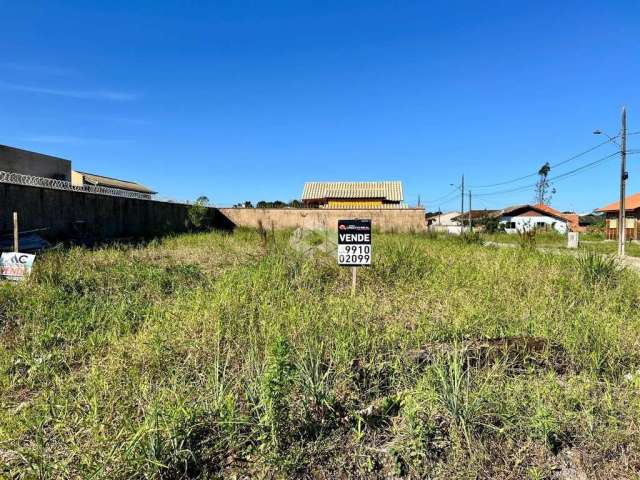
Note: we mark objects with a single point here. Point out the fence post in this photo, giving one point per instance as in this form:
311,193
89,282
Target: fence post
16,241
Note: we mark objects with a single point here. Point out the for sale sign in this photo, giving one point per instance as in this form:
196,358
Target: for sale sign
354,242
16,266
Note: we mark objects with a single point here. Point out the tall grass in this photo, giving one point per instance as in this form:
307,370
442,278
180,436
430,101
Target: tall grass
599,269
217,355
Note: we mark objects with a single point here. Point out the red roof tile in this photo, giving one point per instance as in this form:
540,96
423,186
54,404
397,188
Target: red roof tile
573,220
630,203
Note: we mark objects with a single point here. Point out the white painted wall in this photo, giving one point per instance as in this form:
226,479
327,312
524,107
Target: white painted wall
523,224
445,223
450,229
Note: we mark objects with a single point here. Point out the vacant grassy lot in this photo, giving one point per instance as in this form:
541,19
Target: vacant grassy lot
234,356
588,242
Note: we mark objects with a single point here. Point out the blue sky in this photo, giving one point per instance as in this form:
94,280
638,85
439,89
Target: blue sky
248,100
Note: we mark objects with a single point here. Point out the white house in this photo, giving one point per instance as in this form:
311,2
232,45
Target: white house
444,222
521,218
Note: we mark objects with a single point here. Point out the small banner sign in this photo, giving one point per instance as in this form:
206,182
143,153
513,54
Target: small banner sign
354,242
16,266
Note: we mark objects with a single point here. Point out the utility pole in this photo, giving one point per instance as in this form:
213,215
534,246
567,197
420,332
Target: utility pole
470,227
623,182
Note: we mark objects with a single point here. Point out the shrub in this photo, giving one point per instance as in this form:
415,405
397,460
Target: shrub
471,238
197,213
460,394
527,238
599,269
491,224
276,383
398,261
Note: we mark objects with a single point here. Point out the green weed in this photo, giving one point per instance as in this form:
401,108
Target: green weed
597,269
215,355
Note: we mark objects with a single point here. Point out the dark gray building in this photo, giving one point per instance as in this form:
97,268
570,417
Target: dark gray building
15,160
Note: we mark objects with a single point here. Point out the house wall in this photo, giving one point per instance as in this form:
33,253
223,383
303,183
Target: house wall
387,220
77,179
632,232
450,229
15,160
529,222
445,223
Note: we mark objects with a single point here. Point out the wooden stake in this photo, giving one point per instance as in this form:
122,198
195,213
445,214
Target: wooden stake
354,276
16,243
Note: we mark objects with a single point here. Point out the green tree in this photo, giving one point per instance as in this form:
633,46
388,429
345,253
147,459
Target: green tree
276,204
197,212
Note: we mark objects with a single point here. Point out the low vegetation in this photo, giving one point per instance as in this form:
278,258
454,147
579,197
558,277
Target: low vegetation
589,242
214,355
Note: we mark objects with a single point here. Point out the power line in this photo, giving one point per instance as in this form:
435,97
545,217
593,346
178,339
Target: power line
452,195
443,197
556,178
453,199
506,182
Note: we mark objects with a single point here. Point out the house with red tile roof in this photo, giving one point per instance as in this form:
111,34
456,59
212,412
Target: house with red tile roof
573,219
632,214
520,218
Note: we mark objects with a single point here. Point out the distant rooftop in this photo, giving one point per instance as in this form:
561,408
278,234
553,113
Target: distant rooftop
630,203
102,181
387,190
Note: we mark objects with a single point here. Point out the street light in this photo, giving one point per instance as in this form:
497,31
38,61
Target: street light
461,188
611,139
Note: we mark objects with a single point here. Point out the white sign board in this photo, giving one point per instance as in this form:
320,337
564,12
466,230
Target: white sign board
572,240
354,242
16,266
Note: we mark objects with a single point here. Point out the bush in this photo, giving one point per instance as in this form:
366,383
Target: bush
197,213
471,238
599,269
397,261
527,238
491,224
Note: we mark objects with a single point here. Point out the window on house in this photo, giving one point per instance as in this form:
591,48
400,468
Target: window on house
512,225
541,224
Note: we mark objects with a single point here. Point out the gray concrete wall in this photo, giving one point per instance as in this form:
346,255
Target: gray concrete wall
68,214
386,220
15,160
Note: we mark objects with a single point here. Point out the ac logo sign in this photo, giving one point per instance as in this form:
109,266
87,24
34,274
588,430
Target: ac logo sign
16,266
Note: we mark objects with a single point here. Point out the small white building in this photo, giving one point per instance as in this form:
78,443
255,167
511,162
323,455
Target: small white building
444,222
522,218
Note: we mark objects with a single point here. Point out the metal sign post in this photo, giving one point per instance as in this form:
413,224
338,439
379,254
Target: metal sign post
354,246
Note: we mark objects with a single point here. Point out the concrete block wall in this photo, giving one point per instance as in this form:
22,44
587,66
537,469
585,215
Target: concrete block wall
25,162
386,220
67,214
